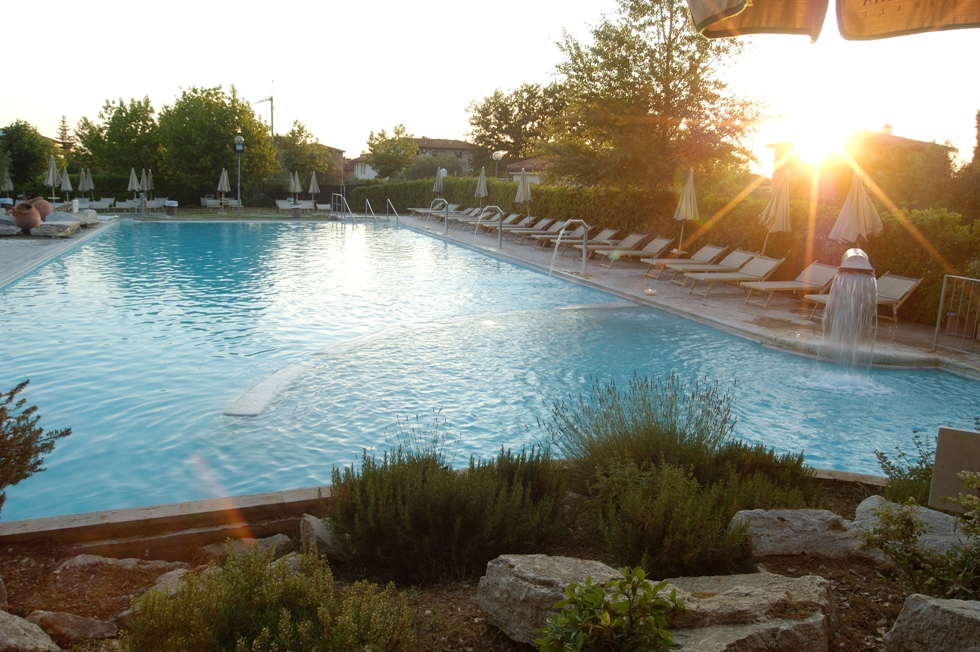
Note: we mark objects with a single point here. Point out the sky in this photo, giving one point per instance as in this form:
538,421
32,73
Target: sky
346,69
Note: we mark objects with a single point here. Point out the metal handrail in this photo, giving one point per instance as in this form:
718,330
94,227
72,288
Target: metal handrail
963,314
345,206
432,205
500,230
388,205
585,244
368,209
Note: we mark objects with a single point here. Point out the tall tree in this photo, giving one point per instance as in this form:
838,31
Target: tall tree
390,155
514,122
299,150
645,100
198,133
28,151
126,136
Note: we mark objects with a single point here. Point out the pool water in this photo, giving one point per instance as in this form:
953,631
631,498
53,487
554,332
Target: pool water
141,337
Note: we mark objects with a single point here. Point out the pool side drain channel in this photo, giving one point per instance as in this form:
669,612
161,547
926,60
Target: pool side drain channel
252,402
600,306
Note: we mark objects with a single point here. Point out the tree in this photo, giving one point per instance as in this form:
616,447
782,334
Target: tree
645,100
514,122
27,151
23,443
424,167
389,156
198,133
298,150
127,136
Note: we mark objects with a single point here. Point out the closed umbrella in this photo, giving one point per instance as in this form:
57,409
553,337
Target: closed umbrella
481,186
65,182
8,185
52,179
89,183
687,208
775,216
294,186
223,185
82,184
144,184
437,186
149,182
314,186
858,218
134,183
523,190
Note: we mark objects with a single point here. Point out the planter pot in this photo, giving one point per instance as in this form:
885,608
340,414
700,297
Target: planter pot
42,206
26,216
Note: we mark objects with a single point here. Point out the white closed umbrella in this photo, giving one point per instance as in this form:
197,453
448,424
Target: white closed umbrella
687,207
65,182
82,183
858,218
89,184
8,185
775,216
144,184
134,183
52,179
294,186
481,186
437,186
149,181
223,184
314,186
523,190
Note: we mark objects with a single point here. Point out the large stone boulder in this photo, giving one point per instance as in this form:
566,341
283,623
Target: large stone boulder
9,228
941,532
319,536
85,217
280,544
19,635
929,624
67,629
56,229
168,583
519,592
798,531
130,563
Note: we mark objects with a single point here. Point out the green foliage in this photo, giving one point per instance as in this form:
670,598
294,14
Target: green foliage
23,443
299,151
198,134
126,136
953,574
514,122
27,152
645,100
908,479
250,605
389,156
424,167
412,518
624,614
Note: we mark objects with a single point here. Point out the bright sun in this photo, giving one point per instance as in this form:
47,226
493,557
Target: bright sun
820,140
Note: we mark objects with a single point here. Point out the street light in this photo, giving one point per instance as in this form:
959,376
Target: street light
496,160
239,149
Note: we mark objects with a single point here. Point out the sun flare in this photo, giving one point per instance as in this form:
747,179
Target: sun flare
815,145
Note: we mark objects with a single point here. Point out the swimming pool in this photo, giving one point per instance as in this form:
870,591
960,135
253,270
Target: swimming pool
140,338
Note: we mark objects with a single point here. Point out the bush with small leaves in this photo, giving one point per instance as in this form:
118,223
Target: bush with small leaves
908,478
624,614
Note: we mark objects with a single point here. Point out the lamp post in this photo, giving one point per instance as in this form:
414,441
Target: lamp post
239,149
496,161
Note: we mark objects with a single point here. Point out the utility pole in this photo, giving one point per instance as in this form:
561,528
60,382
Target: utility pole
272,110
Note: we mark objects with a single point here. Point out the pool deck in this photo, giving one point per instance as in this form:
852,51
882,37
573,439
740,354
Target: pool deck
152,531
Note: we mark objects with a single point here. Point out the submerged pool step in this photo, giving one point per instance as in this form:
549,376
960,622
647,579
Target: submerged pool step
252,402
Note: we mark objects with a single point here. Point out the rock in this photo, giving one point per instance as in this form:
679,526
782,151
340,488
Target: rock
6,218
928,624
799,531
279,543
519,592
130,563
124,618
19,635
9,229
82,217
56,229
68,629
86,216
3,596
770,636
168,583
940,533
290,561
318,535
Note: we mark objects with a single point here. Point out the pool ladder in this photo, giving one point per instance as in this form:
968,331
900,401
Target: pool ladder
585,244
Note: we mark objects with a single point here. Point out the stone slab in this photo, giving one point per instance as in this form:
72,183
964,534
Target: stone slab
255,400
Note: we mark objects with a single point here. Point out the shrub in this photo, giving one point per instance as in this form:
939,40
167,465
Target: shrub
908,479
625,614
23,443
412,518
250,605
953,574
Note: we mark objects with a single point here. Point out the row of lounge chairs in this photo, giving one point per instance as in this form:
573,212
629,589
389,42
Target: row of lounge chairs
107,203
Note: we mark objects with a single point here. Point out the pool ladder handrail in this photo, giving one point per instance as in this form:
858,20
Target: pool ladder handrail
389,205
500,230
432,210
585,244
343,207
368,209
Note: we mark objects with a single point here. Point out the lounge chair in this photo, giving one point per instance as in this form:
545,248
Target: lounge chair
327,207
281,205
815,278
539,226
632,241
455,217
893,291
758,269
545,240
603,239
212,203
102,204
491,225
707,254
730,263
656,247
126,205
232,203
524,221
520,237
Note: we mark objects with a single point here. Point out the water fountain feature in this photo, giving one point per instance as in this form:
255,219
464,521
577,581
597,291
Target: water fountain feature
850,318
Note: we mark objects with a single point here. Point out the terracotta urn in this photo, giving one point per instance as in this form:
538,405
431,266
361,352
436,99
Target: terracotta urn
42,206
26,216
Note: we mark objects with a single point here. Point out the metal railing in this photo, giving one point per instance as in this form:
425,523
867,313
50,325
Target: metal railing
585,244
500,223
959,312
342,207
368,209
433,205
391,207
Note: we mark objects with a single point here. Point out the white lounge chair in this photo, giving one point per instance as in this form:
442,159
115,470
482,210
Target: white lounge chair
815,278
730,263
705,255
758,269
893,291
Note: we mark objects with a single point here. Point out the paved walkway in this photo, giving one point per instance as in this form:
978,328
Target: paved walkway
784,324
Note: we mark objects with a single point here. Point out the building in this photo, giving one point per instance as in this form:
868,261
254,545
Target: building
532,166
359,169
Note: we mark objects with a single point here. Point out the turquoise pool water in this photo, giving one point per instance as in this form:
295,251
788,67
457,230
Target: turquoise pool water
140,338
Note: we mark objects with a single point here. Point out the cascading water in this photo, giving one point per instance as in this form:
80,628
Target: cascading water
850,318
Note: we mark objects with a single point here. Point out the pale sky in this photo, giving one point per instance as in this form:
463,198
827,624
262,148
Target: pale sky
347,68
